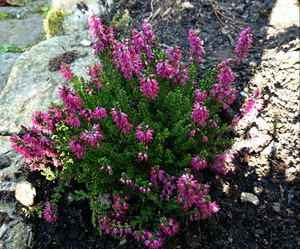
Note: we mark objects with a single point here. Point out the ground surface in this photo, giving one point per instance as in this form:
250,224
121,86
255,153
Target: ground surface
270,170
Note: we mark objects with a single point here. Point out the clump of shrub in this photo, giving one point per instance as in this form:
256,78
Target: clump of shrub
141,134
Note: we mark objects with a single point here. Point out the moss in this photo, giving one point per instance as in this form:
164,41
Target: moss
121,22
8,48
5,16
53,23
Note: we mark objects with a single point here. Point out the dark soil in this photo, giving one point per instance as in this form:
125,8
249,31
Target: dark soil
273,178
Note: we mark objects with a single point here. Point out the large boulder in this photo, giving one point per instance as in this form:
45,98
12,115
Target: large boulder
17,31
77,13
32,86
7,62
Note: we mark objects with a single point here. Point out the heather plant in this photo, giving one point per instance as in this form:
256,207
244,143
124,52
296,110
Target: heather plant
141,136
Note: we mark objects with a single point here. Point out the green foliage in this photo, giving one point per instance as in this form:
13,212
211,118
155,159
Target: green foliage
3,16
120,22
8,48
41,9
135,162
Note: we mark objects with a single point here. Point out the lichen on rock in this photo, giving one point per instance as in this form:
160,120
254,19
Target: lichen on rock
53,23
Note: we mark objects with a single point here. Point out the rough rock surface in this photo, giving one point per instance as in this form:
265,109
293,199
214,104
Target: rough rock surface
32,86
7,61
78,17
16,31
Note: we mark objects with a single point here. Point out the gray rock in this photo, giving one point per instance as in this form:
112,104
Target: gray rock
78,19
17,31
6,186
276,207
16,160
15,234
249,197
31,86
7,62
187,6
25,193
26,11
4,161
105,199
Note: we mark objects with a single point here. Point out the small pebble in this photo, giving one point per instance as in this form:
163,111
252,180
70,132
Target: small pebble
249,197
298,168
187,6
25,193
276,207
85,43
253,64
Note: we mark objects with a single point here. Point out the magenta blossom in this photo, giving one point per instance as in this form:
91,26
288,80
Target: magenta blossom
144,134
50,214
164,69
244,43
253,106
199,114
66,71
198,163
70,99
195,43
149,87
120,118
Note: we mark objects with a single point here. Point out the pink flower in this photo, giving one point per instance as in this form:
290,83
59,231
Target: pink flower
149,87
199,114
77,147
104,35
95,71
198,163
73,120
142,156
66,71
70,99
253,106
180,74
144,134
170,226
99,113
174,54
49,214
200,97
244,43
92,136
128,61
164,69
235,122
222,160
120,118
45,122
149,33
222,90
204,139
195,43
192,133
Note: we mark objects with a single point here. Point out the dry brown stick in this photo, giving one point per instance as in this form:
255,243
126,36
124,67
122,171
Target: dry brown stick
33,96
151,11
9,3
231,19
216,13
